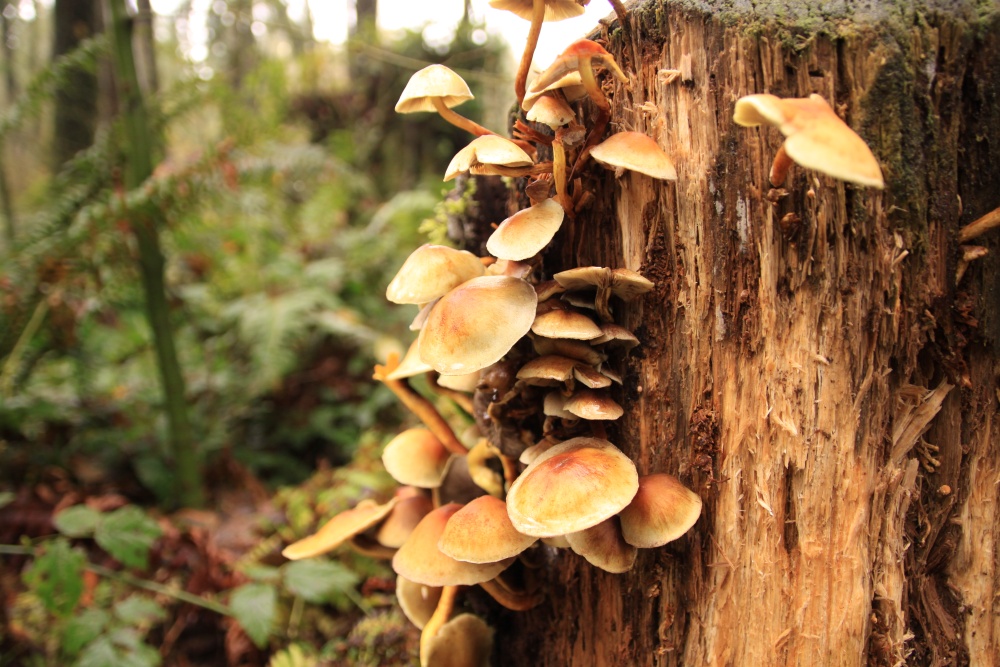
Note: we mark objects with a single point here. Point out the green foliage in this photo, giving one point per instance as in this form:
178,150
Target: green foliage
254,606
56,577
126,533
318,581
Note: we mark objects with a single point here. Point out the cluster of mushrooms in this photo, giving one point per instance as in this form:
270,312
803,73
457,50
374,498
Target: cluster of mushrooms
527,358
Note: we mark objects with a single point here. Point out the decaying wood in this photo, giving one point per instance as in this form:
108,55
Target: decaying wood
808,363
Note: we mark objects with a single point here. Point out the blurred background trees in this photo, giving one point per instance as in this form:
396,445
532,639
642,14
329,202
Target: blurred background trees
281,193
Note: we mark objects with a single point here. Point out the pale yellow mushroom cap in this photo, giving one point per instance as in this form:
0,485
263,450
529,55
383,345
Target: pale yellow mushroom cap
431,271
816,137
555,10
571,487
404,517
339,529
487,150
527,232
464,641
477,323
603,546
593,405
417,601
570,59
410,365
416,457
481,532
636,152
663,509
570,85
560,323
550,110
547,370
430,82
420,560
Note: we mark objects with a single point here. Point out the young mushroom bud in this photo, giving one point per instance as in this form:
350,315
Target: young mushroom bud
662,510
581,56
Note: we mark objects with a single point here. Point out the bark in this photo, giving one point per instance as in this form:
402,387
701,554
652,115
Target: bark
808,366
76,97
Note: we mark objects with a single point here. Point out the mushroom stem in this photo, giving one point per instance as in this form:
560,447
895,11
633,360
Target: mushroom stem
601,304
537,15
440,616
559,174
969,254
590,83
980,226
595,135
459,120
513,600
419,406
779,168
462,400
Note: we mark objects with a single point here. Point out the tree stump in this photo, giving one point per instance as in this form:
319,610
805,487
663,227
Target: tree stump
809,363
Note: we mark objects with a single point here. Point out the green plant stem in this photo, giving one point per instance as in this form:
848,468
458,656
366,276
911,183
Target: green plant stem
145,223
151,586
9,371
6,205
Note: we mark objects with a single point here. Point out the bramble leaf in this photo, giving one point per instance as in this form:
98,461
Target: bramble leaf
77,521
127,534
253,606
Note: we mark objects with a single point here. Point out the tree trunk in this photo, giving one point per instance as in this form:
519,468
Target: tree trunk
76,97
808,363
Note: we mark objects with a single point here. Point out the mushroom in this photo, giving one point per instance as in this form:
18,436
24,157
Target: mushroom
421,561
565,323
417,601
404,517
416,457
592,405
477,323
431,271
490,154
437,88
339,529
485,477
603,546
527,232
571,487
570,85
581,56
536,11
662,510
481,532
552,111
815,137
411,365
636,152
623,283
464,641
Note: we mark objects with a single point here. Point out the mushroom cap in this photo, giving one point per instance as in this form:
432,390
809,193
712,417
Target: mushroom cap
410,365
553,406
477,323
627,285
548,289
590,377
417,601
592,405
404,517
550,110
457,485
420,560
467,382
614,334
569,61
488,149
571,487
416,457
603,546
527,232
464,641
636,152
562,323
570,85
339,529
432,271
555,10
481,532
547,370
662,510
575,349
584,277
816,137
430,82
